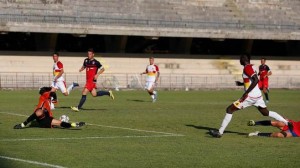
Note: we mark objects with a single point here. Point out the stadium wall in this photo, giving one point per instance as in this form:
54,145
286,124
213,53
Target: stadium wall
176,73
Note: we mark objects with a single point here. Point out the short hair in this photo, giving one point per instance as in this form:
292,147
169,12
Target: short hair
56,53
246,55
91,50
151,57
263,58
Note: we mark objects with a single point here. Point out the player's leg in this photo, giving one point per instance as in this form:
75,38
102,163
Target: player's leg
32,117
265,89
102,93
265,112
282,134
228,116
150,90
71,87
274,123
82,100
59,123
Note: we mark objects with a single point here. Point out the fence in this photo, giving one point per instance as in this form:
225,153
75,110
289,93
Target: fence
135,81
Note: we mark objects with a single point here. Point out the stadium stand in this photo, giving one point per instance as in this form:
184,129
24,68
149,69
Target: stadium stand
199,18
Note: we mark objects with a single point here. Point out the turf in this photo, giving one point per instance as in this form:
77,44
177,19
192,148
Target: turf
131,131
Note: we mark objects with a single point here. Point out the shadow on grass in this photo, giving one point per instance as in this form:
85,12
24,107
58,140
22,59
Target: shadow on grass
136,100
83,109
210,128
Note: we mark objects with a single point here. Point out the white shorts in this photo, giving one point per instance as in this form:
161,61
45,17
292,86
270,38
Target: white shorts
149,85
250,101
61,85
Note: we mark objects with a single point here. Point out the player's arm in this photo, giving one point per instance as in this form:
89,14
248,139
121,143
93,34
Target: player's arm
254,81
238,83
100,71
82,68
269,72
59,74
145,72
157,76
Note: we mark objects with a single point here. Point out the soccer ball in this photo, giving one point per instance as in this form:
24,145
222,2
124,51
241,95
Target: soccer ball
64,118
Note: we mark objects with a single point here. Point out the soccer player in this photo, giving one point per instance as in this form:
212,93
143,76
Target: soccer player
251,97
264,73
58,79
153,73
43,115
93,70
284,133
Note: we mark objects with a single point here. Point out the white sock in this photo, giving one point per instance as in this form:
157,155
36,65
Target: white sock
277,117
152,96
70,88
225,122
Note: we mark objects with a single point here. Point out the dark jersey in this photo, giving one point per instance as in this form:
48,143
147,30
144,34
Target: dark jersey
91,67
263,71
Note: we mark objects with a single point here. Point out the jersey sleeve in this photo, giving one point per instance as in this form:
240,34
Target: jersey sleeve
248,70
99,65
156,68
267,68
84,63
60,65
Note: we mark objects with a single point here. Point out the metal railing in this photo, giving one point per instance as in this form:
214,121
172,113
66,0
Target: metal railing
22,80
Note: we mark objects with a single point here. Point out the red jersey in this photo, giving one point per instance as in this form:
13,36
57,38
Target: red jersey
263,71
44,103
296,125
91,67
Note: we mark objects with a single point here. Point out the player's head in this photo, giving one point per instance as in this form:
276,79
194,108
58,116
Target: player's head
151,60
55,56
245,59
42,90
90,53
263,61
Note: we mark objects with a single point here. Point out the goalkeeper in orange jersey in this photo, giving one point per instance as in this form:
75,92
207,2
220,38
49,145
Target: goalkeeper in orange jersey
43,115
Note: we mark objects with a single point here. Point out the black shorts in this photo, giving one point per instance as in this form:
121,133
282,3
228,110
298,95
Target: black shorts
45,122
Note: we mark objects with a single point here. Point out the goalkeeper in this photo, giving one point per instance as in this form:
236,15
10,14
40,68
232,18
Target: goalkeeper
43,115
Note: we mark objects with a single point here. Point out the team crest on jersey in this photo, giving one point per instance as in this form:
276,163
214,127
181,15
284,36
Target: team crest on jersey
93,62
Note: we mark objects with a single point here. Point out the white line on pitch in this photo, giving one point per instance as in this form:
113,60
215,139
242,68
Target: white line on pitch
14,114
132,129
107,126
97,137
32,162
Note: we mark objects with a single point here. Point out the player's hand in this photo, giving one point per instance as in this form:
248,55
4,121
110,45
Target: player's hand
238,83
245,95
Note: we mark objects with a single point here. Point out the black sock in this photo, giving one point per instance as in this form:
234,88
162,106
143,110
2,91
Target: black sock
102,93
30,118
65,125
264,134
267,96
264,122
82,100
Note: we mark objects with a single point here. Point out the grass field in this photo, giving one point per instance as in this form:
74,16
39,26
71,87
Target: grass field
131,131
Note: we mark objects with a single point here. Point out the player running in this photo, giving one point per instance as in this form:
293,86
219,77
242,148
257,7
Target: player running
251,97
93,70
264,73
43,115
284,133
153,73
58,79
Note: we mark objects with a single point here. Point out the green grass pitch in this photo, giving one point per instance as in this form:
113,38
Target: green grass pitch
131,131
